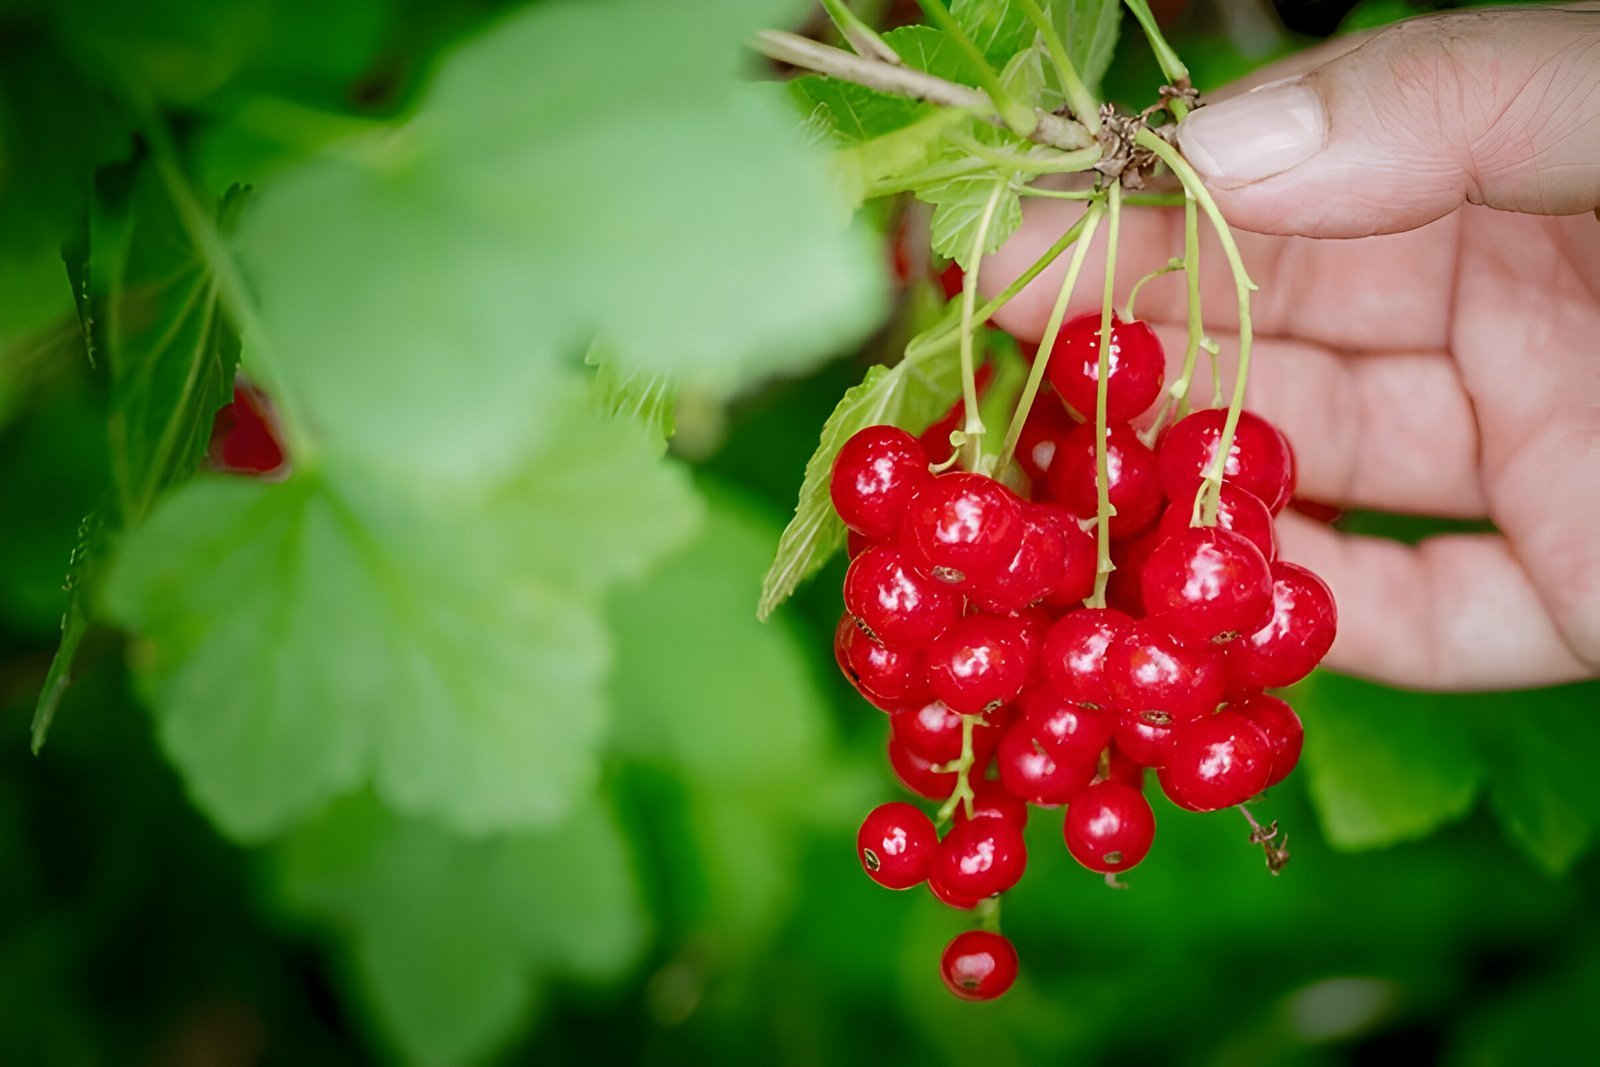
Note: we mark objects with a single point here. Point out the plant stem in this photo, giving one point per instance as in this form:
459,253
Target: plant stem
962,793
1177,401
1081,231
1082,102
1133,294
1171,66
1211,485
1128,199
1102,478
1073,162
972,447
791,48
863,38
1019,117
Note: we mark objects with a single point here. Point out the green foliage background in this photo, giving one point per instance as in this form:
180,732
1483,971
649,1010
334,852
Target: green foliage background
463,744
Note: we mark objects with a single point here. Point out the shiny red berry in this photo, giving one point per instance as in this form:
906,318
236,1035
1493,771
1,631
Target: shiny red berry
889,678
1207,584
1282,728
1029,771
992,800
875,475
1067,730
963,527
1046,426
1238,510
1153,675
920,776
980,858
1296,636
978,965
1078,562
895,603
1135,485
1137,366
979,663
896,845
1217,762
1259,461
1128,557
1074,654
1109,827
1037,568
1142,742
932,731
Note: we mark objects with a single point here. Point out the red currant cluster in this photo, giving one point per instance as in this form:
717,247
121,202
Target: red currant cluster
965,622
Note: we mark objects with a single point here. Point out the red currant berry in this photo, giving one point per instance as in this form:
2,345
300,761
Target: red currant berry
932,732
920,776
1238,510
244,434
875,475
896,845
1296,636
888,678
1282,728
1079,562
895,603
1075,652
1207,584
992,800
963,527
1135,485
1032,773
1144,743
1109,827
1123,590
1217,762
979,858
1153,675
1259,461
1037,569
979,663
1046,426
978,965
1136,366
1068,731
951,280
1124,769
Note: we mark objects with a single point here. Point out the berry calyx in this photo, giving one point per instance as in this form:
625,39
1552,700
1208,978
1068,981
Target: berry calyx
1136,366
1207,584
979,858
1029,771
978,965
1283,730
895,603
889,678
1109,827
1295,637
1153,675
1074,654
1217,762
1259,460
875,475
980,663
896,845
1133,478
963,527
1238,510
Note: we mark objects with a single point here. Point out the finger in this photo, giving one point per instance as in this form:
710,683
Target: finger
1452,613
1499,108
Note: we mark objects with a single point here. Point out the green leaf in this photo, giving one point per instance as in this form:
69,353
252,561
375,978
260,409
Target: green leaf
853,113
1089,30
958,212
912,394
648,399
999,28
83,573
452,939
895,158
1385,766
305,637
929,49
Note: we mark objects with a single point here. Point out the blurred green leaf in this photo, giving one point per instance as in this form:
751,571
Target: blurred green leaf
452,938
853,113
649,399
1089,30
930,49
999,28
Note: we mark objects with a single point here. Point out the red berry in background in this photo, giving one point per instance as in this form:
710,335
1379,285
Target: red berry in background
1109,827
875,475
1217,762
1282,728
1135,484
951,280
932,732
919,775
979,663
244,435
1207,584
978,965
856,543
1238,510
889,678
1065,729
1029,771
992,800
1137,367
963,527
897,604
1046,426
896,845
1296,635
1144,743
980,858
1124,587
935,440
1037,569
1317,510
1122,768
1079,561
1153,675
1259,461
1074,654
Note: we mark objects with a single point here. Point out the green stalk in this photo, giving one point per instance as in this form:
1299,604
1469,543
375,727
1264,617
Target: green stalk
1083,232
1177,403
1102,477
1130,199
962,793
971,447
1171,66
1085,108
1073,162
1017,115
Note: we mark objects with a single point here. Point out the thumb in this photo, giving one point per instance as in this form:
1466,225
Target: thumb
1499,108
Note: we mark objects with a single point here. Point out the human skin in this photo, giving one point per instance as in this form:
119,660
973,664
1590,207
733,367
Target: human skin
1423,205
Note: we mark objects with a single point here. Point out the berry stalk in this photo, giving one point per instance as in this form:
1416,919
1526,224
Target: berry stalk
962,793
972,430
1104,511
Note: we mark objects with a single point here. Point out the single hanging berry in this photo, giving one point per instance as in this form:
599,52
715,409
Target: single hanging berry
1295,636
875,475
978,965
1207,584
1135,484
1137,367
895,603
1217,762
963,528
1109,827
1260,460
979,858
896,845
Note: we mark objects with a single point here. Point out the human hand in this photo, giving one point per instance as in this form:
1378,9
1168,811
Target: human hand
1446,361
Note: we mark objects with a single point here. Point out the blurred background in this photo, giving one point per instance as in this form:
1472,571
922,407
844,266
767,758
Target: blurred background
691,896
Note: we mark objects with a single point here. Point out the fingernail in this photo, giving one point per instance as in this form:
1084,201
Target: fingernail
1256,135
